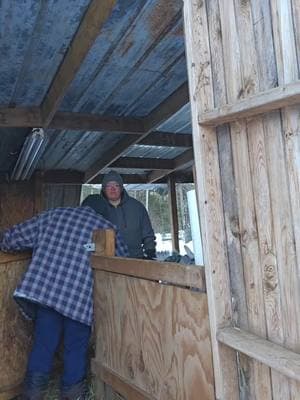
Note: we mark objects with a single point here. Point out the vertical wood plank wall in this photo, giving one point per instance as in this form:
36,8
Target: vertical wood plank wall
20,201
248,175
15,332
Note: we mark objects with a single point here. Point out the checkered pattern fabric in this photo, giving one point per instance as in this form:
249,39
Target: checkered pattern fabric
59,275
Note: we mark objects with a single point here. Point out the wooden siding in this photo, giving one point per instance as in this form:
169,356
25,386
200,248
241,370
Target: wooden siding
152,339
237,50
15,332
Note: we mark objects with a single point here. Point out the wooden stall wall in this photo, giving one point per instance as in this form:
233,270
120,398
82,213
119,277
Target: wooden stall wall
61,195
15,332
20,201
243,56
152,338
17,203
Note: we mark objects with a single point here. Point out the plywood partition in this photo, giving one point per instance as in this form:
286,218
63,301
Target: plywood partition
15,332
152,336
248,175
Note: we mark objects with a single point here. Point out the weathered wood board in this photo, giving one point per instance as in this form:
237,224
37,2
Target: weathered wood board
155,336
15,331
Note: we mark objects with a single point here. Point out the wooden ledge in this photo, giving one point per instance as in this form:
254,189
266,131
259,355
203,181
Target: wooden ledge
172,273
270,100
285,361
9,257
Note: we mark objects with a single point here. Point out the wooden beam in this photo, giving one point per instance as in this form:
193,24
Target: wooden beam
92,122
199,62
285,361
30,117
164,111
173,273
127,178
20,117
173,214
88,31
155,176
9,257
184,160
63,177
168,139
118,383
143,163
111,156
252,106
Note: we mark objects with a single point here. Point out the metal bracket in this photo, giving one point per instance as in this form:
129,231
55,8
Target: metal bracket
90,246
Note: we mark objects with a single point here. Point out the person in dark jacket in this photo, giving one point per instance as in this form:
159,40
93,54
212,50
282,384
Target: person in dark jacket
57,292
127,213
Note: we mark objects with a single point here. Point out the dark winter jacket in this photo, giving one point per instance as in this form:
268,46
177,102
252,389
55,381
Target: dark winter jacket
132,219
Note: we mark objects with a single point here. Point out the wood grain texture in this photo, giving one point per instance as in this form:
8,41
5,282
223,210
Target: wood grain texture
277,357
252,106
89,29
229,197
209,195
173,273
155,336
15,332
287,61
16,203
122,386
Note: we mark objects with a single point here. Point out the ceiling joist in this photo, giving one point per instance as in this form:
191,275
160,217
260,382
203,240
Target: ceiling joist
183,161
93,122
96,15
143,163
160,114
168,139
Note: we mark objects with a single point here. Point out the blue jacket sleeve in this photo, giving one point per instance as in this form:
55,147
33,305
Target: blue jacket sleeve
148,237
22,236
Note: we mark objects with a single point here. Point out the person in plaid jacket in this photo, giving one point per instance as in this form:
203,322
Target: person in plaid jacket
57,292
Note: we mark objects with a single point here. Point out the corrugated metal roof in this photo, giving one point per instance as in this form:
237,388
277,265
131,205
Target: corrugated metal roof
136,62
154,151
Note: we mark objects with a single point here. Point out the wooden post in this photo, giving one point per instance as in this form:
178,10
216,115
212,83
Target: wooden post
38,193
210,196
105,246
173,214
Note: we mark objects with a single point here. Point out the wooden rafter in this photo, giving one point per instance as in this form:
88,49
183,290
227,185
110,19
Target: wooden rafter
168,139
92,122
182,161
31,118
159,115
70,177
20,117
143,163
89,29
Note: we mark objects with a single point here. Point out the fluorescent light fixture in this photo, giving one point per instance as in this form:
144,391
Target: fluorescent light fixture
32,150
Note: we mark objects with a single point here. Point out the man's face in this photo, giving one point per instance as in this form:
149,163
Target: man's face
113,191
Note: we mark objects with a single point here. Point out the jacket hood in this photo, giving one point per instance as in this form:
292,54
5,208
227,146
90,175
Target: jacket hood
112,176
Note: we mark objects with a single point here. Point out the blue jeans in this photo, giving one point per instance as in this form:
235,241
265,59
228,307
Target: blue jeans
49,327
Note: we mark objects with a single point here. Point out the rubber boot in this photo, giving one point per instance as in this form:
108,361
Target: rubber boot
78,391
35,386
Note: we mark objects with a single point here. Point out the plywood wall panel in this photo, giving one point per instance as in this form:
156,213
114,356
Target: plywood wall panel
156,336
15,332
